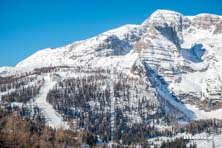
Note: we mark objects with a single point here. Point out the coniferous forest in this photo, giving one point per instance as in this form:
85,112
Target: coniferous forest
98,109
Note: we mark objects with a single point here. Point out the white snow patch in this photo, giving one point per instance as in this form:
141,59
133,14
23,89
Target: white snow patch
53,118
201,114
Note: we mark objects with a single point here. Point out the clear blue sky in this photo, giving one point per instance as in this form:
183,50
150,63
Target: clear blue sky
29,25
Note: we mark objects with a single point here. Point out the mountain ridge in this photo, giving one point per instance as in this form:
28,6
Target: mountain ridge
177,48
156,79
119,30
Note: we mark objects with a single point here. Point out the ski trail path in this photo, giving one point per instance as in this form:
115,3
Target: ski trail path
53,119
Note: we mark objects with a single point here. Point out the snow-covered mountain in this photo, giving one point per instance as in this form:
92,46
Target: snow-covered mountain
117,42
176,59
183,50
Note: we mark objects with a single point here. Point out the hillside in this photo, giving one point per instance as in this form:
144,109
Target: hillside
130,82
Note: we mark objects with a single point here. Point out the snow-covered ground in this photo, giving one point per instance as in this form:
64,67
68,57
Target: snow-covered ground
201,114
202,140
164,93
208,141
52,117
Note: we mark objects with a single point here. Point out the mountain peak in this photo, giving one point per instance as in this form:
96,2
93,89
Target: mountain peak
165,12
163,17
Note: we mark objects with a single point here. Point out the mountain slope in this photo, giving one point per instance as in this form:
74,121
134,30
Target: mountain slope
166,71
177,48
117,42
